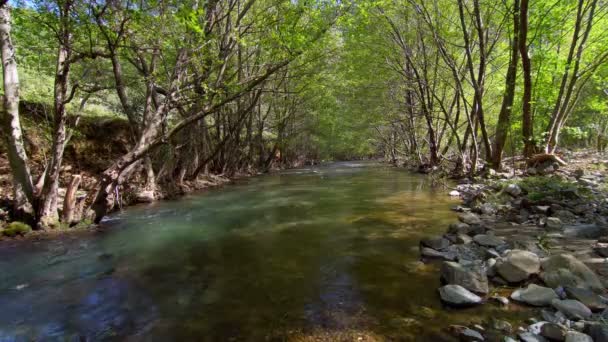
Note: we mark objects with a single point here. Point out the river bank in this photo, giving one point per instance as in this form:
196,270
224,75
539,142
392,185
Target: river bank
536,239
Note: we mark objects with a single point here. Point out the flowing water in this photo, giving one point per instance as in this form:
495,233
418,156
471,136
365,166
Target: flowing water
324,253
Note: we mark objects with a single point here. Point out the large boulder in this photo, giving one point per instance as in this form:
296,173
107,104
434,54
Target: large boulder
517,265
573,309
458,296
472,278
566,270
535,295
587,297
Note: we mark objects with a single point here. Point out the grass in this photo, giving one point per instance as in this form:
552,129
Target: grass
544,187
16,228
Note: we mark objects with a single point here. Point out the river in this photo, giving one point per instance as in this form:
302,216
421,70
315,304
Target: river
324,253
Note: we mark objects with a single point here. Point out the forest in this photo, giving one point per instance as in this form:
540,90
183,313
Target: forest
231,87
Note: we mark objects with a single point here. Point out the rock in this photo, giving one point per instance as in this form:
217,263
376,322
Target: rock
488,240
472,278
470,335
557,317
436,243
534,295
601,251
532,171
553,332
566,270
597,331
553,223
535,326
565,215
469,218
458,296
459,228
517,265
145,196
587,297
578,173
487,209
585,231
575,336
513,190
573,309
454,193
463,239
530,337
541,209
433,254
501,325
499,299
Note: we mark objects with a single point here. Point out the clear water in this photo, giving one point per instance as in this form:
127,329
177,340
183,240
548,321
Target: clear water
325,253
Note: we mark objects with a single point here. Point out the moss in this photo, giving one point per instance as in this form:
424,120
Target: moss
16,228
543,187
83,224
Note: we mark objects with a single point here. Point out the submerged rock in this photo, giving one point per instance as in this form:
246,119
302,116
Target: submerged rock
472,278
530,337
566,270
573,309
535,295
518,265
458,296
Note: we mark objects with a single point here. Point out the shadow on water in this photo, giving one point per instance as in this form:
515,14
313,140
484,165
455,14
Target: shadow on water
324,253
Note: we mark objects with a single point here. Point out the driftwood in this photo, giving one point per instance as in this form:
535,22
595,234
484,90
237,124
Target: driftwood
69,202
545,157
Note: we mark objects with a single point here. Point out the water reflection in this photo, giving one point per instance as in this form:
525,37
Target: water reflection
311,252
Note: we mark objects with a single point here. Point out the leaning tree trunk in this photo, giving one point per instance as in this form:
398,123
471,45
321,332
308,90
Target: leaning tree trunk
23,189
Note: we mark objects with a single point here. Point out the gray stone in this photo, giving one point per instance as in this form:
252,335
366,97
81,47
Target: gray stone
501,300
553,332
566,270
513,190
469,218
487,209
458,296
472,278
488,240
601,251
530,337
573,309
585,231
459,228
430,253
587,297
565,215
517,265
470,335
535,295
436,243
597,331
575,336
463,239
553,223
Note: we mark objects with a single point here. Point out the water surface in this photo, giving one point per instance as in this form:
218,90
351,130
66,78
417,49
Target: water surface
323,253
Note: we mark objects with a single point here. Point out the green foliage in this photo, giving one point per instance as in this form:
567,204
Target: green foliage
548,187
16,228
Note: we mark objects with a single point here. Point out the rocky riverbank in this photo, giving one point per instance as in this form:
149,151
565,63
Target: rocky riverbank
537,239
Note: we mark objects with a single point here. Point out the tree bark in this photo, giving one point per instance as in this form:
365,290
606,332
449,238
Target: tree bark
23,188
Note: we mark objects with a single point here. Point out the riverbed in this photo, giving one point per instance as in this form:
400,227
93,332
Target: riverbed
319,253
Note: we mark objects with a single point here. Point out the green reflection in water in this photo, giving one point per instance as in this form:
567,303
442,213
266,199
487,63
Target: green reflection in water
323,253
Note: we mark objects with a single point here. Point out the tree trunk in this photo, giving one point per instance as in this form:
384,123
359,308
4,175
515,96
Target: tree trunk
69,202
504,117
527,123
23,188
